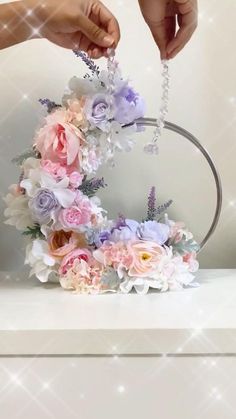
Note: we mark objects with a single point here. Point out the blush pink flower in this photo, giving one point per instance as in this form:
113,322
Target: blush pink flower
54,169
191,260
69,260
78,214
59,140
114,255
146,256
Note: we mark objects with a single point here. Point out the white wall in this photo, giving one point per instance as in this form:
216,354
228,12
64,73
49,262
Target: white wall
203,100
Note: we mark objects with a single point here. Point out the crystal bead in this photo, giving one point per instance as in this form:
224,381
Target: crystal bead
151,148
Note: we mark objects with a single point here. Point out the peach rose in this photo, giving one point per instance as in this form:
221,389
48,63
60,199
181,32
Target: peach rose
146,257
61,242
59,140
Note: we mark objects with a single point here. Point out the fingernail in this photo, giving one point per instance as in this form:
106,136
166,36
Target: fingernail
108,40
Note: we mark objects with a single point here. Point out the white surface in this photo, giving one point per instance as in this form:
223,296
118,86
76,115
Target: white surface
45,319
153,388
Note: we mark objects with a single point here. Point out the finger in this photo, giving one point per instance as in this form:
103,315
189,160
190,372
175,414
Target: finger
184,34
94,33
107,21
154,14
187,19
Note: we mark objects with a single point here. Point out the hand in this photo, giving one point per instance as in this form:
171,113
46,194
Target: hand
161,15
75,24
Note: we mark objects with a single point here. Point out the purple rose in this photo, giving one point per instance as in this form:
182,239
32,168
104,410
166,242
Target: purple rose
125,231
42,206
97,110
154,231
129,106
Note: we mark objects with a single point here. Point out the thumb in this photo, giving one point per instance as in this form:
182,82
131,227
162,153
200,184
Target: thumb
158,30
95,34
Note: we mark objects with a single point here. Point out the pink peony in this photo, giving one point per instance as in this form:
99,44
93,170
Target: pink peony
146,256
76,255
59,140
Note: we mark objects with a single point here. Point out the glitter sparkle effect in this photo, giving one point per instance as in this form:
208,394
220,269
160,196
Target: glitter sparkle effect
117,387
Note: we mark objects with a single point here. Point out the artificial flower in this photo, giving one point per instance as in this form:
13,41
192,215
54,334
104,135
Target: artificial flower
153,231
76,254
17,212
40,260
145,257
59,140
129,106
43,205
63,242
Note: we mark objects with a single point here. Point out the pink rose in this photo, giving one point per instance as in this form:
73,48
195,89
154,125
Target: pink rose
146,257
76,179
80,213
76,255
59,140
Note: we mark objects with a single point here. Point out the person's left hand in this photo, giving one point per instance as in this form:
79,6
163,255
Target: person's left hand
162,17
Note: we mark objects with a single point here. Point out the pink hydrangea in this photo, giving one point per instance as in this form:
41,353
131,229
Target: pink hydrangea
114,255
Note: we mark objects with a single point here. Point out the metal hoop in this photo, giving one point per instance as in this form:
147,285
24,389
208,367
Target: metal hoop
151,122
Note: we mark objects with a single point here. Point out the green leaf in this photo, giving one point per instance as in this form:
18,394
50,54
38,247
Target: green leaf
184,247
34,232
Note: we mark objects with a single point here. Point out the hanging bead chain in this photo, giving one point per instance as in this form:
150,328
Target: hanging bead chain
152,147
112,67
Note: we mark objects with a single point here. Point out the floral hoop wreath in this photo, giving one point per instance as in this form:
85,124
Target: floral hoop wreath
55,205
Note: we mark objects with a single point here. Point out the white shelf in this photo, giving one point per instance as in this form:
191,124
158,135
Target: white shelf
46,320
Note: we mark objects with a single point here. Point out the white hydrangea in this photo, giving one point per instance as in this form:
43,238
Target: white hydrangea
38,257
17,211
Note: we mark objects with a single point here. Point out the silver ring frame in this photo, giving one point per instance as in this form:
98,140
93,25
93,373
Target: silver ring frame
151,122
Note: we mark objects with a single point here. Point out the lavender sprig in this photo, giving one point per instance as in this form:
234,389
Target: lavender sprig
164,207
154,211
151,214
88,61
50,105
91,186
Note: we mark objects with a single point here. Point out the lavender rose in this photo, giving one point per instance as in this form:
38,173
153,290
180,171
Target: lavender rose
154,231
97,110
129,106
42,205
124,231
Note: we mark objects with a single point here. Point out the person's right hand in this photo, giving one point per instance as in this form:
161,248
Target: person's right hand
76,24
161,17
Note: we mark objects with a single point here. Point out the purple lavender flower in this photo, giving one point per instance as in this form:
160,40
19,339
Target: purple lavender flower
154,231
42,205
152,204
97,110
129,106
88,61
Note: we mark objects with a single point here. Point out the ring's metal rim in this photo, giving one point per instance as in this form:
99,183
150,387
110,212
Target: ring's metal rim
151,122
